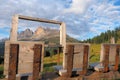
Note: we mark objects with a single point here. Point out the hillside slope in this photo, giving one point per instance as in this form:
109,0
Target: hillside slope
105,37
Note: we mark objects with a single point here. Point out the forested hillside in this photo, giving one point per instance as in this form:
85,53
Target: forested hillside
106,36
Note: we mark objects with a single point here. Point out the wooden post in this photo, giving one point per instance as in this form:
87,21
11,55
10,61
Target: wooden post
63,41
37,61
14,50
106,61
85,59
13,33
70,52
117,58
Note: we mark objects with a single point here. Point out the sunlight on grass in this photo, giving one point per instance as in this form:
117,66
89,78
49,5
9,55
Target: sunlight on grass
95,53
51,61
1,71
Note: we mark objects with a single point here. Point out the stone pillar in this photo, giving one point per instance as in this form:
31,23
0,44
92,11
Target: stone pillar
13,33
63,41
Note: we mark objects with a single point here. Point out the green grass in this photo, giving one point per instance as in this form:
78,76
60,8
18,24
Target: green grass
48,67
95,52
51,61
1,71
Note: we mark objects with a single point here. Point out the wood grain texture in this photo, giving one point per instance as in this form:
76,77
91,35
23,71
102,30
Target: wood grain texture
37,61
26,54
13,64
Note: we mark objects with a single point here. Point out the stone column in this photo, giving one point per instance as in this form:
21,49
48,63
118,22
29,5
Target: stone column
13,33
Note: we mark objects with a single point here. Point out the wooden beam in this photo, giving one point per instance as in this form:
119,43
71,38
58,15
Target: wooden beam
70,52
14,28
37,61
39,19
117,58
85,59
63,41
106,61
14,49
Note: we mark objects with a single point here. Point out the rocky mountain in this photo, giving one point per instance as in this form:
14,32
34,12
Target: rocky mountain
43,34
40,34
25,34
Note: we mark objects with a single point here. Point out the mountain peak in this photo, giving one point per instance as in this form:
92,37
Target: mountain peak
39,31
43,34
27,33
28,29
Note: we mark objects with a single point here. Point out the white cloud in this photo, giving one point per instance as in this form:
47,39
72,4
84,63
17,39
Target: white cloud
82,17
78,6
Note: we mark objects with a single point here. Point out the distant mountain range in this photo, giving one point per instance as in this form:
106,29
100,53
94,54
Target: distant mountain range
43,34
40,34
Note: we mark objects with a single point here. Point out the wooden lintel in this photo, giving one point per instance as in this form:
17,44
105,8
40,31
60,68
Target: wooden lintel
39,19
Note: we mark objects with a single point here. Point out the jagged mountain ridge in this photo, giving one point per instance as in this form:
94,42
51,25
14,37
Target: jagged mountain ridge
40,34
43,34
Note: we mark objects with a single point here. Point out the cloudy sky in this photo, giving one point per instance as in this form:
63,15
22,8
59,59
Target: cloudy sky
84,18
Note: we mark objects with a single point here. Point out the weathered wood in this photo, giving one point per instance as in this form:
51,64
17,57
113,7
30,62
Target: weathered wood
70,52
77,62
13,33
13,61
13,36
85,59
37,61
63,41
78,56
26,53
112,54
117,58
106,61
39,19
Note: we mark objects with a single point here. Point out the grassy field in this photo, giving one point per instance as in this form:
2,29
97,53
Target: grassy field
94,52
49,62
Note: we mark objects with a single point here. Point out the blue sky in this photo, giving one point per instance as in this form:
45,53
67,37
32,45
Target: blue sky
84,18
